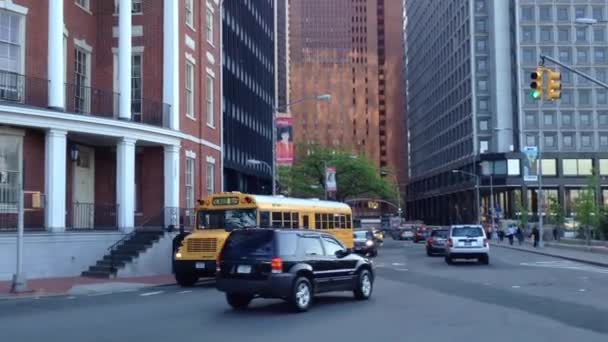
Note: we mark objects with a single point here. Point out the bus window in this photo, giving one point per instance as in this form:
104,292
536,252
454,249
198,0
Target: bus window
317,221
227,219
277,221
264,219
348,222
295,223
287,220
330,221
323,221
342,221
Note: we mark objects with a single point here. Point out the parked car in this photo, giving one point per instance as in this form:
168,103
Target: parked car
467,242
420,234
402,233
364,243
435,244
293,265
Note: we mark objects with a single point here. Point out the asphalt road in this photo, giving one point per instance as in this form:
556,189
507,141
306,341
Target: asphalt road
518,297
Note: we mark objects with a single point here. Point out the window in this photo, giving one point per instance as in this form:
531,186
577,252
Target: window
549,140
600,54
603,140
83,3
569,167
480,6
209,96
563,14
603,168
10,169
549,167
546,34
513,167
190,13
483,104
210,178
568,140
310,246
530,140
549,119
483,125
527,13
482,85
544,13
482,65
529,55
581,34
563,34
567,119
10,46
482,45
189,182
579,12
566,97
209,26
584,97
527,34
586,140
602,118
577,167
136,6
481,25
585,119
190,89
585,167
531,120
136,85
564,55
598,13
331,246
483,146
599,35
582,56
81,75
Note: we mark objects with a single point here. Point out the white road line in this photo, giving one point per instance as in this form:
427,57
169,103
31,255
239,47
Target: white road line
398,264
151,293
515,286
581,290
380,265
187,291
99,294
71,297
401,269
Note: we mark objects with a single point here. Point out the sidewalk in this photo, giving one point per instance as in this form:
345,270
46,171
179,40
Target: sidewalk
82,285
597,255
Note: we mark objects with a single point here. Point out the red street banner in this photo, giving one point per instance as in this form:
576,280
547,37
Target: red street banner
284,143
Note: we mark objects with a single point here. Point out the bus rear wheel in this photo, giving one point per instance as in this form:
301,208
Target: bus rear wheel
186,279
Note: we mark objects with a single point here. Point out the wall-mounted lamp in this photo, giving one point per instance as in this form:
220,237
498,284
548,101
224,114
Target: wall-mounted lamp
74,153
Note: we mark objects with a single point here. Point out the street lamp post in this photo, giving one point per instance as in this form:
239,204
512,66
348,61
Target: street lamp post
273,169
477,197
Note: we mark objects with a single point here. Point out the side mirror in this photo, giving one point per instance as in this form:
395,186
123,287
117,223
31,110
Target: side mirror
343,252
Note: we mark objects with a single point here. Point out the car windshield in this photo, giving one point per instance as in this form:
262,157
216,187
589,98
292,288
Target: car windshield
227,219
440,233
253,243
467,232
362,235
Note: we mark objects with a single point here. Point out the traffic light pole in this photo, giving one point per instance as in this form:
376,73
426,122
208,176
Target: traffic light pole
573,70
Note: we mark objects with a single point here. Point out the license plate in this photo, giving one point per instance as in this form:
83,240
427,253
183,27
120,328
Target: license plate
243,269
200,265
467,244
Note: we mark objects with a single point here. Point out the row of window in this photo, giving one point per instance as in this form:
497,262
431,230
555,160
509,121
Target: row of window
190,12
279,219
562,34
569,167
569,140
584,97
190,181
190,94
584,119
561,12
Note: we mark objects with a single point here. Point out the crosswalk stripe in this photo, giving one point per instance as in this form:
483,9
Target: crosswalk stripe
151,293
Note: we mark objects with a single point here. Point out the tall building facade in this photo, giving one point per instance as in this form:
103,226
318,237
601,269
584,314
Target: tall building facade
248,94
352,50
282,55
469,65
109,121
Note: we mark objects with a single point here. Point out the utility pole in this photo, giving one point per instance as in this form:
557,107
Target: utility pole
19,280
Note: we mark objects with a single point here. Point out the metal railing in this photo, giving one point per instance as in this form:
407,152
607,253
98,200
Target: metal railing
20,89
93,216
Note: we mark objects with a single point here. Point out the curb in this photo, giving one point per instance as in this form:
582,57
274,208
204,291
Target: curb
584,261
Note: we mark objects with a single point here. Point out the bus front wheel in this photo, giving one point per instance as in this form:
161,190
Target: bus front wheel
186,279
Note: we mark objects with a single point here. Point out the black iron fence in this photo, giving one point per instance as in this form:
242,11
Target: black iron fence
169,218
79,99
93,216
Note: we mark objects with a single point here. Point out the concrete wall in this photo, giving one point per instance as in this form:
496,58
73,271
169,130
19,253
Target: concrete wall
54,255
154,261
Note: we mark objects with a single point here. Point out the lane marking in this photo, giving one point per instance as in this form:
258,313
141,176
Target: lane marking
151,293
398,264
566,265
401,269
99,294
71,297
581,290
515,286
186,291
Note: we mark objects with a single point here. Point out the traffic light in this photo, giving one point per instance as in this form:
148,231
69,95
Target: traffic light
554,85
536,86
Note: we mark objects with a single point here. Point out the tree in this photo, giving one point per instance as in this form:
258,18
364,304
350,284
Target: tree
557,215
586,208
356,176
524,216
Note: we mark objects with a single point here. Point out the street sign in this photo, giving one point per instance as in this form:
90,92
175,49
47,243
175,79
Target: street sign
530,163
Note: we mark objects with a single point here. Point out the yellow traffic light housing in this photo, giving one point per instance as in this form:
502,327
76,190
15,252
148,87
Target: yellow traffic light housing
554,85
536,85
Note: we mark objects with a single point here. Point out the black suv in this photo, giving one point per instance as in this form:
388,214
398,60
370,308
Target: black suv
289,264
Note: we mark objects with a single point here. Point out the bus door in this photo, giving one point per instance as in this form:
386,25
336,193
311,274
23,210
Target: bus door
306,221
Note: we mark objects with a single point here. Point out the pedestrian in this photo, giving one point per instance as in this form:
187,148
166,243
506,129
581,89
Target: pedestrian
520,235
501,235
536,235
511,234
555,233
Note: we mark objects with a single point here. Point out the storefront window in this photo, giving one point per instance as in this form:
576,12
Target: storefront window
603,167
10,168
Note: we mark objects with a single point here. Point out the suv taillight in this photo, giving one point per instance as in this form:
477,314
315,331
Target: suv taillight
276,264
485,242
450,242
430,241
217,263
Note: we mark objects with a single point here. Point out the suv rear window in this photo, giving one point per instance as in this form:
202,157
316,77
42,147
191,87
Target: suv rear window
251,243
467,232
440,233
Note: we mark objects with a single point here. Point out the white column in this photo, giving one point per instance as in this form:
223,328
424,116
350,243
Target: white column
125,184
56,72
171,61
55,180
124,59
503,110
171,179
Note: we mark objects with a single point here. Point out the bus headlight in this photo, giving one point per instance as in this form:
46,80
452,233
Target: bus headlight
178,255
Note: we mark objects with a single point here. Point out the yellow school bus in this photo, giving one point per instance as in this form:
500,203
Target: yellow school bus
219,214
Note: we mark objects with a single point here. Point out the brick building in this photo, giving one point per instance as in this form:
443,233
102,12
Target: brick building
111,116
353,50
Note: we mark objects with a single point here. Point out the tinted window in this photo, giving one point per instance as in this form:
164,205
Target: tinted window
331,246
362,235
310,246
265,219
440,233
252,243
227,219
287,243
467,231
